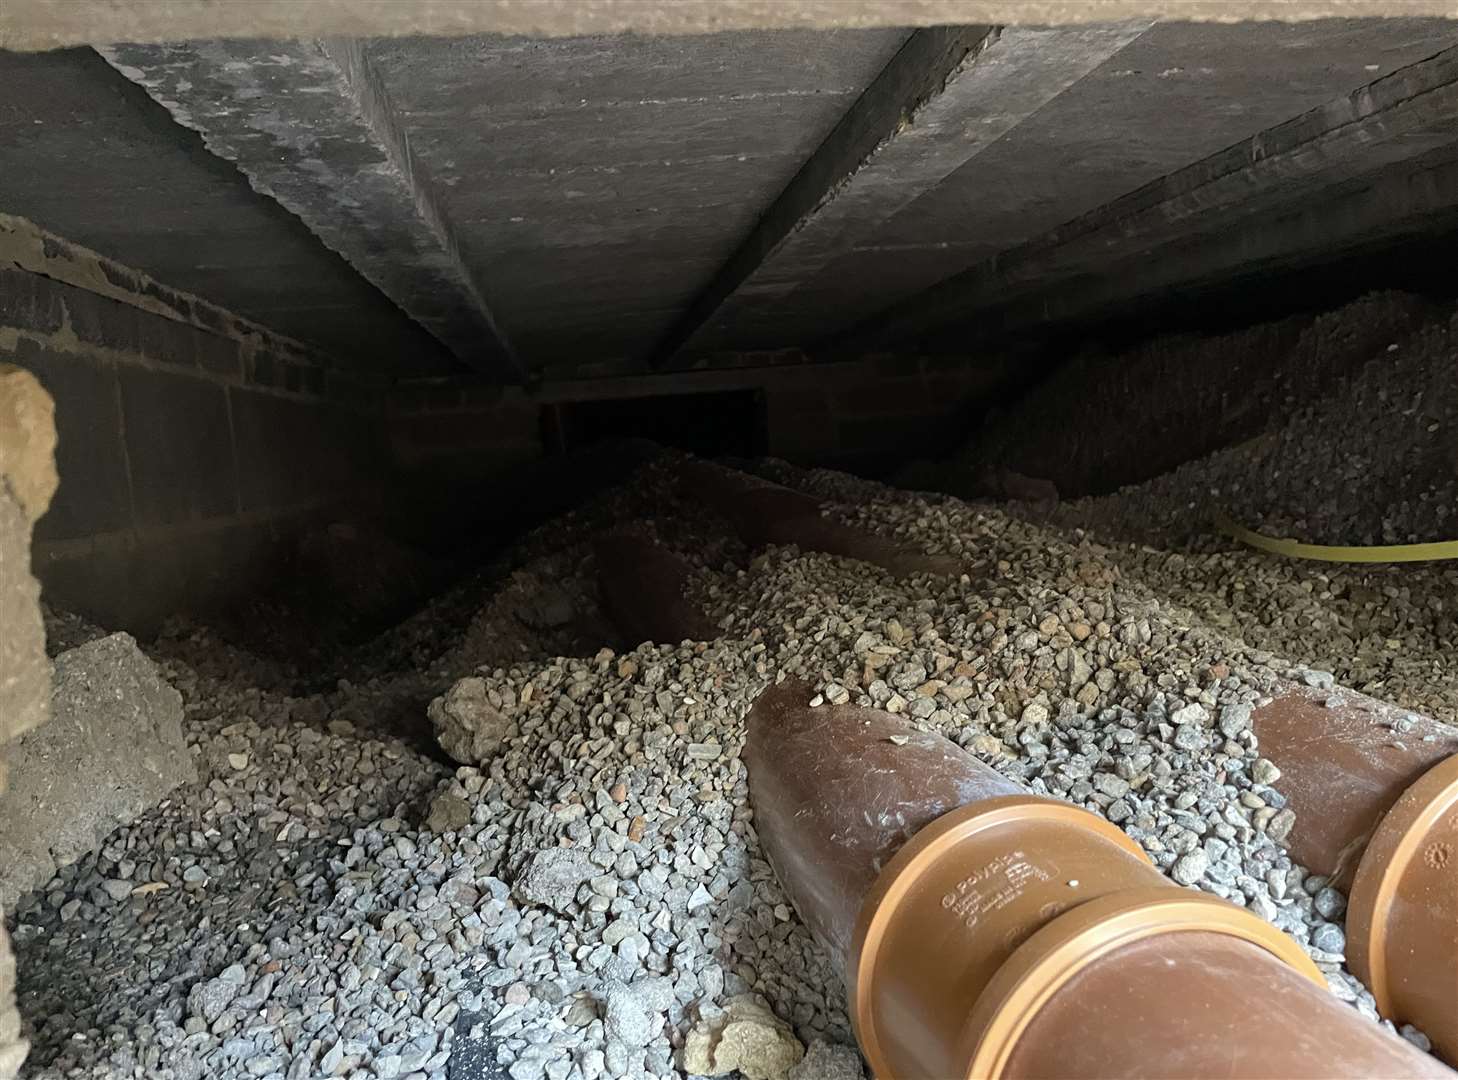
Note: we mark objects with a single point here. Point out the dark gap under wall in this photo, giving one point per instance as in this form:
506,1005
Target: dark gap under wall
726,423
1423,266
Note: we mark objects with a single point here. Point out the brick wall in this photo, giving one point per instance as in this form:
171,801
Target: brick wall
193,445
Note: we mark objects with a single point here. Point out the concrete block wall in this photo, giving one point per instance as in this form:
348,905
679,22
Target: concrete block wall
193,445
476,467
865,413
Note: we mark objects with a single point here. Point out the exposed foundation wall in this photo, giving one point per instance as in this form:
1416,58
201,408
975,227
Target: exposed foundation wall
454,438
857,413
192,445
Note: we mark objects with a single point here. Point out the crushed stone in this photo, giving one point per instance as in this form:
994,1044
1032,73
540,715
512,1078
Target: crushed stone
582,894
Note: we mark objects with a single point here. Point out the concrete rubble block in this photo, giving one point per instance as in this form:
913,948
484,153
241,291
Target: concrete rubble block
27,482
468,725
27,440
745,1035
552,876
828,1061
112,749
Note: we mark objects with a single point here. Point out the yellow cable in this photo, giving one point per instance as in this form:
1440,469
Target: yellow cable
1295,549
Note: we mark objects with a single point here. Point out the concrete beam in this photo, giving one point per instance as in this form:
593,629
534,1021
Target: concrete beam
309,124
947,95
1397,119
1411,201
45,24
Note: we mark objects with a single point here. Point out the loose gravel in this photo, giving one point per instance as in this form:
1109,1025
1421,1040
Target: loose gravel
582,894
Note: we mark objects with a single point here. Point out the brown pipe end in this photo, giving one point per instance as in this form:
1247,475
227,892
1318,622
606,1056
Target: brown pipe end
1402,917
837,791
642,591
958,900
1345,759
978,921
763,513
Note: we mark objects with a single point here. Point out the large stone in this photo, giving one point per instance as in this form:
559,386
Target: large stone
448,813
552,876
27,440
626,1017
27,482
468,727
112,749
828,1061
746,1036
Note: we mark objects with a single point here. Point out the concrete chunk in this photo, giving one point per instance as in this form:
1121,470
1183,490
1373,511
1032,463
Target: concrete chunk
112,749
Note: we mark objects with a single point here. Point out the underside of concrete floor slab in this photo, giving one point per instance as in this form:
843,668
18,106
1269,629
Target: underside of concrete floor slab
549,208
36,24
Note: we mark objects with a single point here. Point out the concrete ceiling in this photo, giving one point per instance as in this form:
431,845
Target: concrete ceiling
90,157
600,183
1172,96
553,207
46,24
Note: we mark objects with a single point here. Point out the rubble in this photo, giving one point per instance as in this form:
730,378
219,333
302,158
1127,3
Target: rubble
111,750
584,896
745,1036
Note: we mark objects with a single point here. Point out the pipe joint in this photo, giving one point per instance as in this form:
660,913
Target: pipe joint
999,904
1402,915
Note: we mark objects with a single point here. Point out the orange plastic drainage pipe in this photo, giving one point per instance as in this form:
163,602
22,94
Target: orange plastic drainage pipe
987,933
642,589
763,512
1374,790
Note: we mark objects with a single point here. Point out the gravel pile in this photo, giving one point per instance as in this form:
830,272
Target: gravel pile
583,895
1374,463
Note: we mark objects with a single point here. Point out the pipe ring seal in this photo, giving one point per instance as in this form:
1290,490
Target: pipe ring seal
905,871
1403,838
1068,944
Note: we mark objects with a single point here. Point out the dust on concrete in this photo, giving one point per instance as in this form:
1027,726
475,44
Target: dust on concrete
111,750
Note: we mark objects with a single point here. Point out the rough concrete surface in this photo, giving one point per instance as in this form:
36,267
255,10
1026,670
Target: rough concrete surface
176,216
27,440
932,122
1390,121
469,178
1105,148
327,149
42,24
762,190
112,749
22,704
27,481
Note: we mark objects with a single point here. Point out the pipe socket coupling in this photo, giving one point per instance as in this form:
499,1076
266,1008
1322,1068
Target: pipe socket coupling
1000,903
